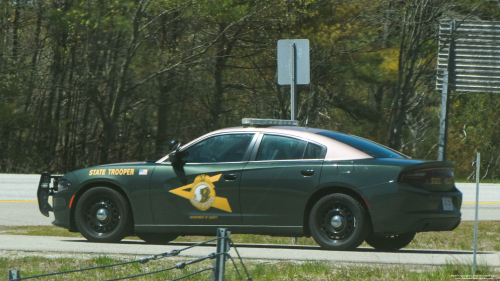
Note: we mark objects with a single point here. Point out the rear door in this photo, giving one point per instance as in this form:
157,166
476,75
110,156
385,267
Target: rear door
204,191
279,179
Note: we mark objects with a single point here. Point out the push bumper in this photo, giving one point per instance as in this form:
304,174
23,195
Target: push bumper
44,191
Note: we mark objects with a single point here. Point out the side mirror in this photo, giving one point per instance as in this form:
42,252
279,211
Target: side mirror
174,144
176,157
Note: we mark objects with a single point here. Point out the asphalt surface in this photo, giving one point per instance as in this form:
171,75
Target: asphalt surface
262,252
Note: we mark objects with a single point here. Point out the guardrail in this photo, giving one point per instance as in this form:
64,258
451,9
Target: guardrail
224,243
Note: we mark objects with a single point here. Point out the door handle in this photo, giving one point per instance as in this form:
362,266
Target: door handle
307,173
230,176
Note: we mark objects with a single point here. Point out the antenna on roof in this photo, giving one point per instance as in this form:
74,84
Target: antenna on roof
307,119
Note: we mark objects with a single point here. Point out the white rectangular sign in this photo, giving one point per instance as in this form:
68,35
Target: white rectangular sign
301,61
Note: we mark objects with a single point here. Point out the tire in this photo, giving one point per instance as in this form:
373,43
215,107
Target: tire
103,215
157,238
390,242
339,222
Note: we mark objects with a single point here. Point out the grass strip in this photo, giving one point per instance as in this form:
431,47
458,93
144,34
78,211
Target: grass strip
258,270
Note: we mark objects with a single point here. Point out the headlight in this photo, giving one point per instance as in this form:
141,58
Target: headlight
63,185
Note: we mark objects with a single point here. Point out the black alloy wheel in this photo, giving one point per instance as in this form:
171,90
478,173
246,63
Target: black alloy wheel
103,215
390,242
157,238
338,222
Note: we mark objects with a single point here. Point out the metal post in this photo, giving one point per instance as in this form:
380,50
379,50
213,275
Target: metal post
295,240
478,165
445,96
442,120
293,99
222,247
14,274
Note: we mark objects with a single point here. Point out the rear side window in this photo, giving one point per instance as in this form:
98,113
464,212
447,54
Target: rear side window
313,151
280,148
284,148
371,148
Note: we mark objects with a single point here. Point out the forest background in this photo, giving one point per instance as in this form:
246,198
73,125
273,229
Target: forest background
86,82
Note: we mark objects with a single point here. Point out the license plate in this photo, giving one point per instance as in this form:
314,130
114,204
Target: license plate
447,204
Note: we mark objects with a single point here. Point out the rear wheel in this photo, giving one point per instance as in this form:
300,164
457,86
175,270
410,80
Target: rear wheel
338,222
103,215
390,242
157,238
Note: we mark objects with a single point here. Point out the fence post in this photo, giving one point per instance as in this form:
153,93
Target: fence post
222,247
14,274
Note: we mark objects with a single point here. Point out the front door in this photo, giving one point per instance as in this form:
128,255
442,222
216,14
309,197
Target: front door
204,191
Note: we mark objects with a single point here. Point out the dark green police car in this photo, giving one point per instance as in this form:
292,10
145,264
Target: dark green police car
260,179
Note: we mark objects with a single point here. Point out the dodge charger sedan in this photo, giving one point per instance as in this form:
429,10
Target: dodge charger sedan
280,180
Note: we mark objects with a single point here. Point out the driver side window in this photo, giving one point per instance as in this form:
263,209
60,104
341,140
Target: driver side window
223,148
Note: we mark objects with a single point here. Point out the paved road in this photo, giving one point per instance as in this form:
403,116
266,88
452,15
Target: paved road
18,201
489,201
274,252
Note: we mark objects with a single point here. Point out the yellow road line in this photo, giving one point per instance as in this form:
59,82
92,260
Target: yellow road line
20,201
481,202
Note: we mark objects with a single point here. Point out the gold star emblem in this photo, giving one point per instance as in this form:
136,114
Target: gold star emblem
202,194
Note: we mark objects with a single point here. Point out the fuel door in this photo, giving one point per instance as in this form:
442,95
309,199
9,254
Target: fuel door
346,167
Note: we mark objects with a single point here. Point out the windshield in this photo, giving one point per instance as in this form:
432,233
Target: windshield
371,148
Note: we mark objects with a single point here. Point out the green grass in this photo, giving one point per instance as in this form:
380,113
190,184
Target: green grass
38,231
459,239
258,270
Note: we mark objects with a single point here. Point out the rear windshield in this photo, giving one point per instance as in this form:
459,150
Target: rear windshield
371,148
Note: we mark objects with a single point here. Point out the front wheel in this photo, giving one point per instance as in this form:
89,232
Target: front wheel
390,242
339,222
103,215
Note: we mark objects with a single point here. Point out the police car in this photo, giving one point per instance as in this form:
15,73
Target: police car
267,177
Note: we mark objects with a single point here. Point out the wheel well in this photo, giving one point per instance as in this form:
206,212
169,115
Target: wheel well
83,189
326,191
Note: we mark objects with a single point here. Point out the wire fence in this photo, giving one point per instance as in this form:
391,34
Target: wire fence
224,243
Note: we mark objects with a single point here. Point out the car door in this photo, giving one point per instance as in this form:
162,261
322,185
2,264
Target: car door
204,191
277,182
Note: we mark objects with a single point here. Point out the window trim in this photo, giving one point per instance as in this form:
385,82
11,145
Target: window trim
253,156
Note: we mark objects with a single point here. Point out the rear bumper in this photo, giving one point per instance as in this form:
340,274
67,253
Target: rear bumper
409,209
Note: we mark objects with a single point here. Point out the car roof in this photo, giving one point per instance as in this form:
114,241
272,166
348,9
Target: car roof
336,150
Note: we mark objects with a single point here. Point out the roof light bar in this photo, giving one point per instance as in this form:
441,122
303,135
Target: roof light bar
268,122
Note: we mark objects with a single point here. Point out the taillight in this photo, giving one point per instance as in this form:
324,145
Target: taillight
430,179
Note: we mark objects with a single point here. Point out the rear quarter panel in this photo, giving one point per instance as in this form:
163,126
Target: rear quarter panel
373,179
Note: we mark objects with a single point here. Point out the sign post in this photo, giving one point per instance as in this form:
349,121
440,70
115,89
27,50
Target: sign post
293,68
478,165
